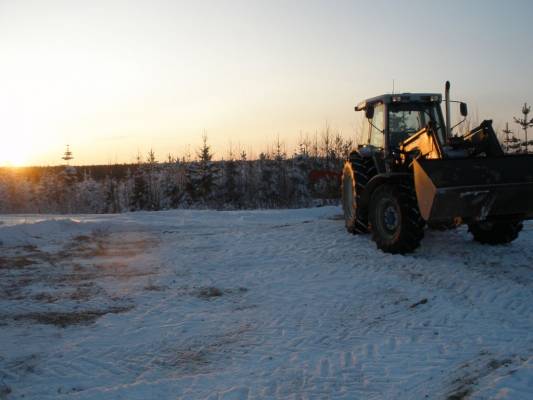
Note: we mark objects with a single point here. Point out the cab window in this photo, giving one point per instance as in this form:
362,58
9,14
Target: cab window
377,138
407,119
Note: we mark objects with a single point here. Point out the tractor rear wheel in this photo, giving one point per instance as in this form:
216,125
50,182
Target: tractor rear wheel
495,232
395,220
355,176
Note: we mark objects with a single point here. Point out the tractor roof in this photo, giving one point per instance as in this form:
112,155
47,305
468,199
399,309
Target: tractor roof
400,98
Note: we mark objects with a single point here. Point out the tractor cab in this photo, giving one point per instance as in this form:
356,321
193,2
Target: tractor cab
391,119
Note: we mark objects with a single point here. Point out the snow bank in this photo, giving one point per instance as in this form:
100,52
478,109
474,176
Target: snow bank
40,232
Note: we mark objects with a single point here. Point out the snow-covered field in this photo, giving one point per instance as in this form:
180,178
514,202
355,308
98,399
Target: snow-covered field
257,305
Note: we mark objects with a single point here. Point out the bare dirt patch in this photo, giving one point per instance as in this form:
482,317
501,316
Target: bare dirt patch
212,291
15,262
155,288
460,395
45,297
64,319
31,278
201,355
192,360
473,372
4,391
208,292
85,292
83,247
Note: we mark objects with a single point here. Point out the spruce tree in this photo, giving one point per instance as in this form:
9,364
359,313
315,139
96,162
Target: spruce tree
90,197
172,184
202,175
242,178
152,181
281,176
110,189
267,193
231,193
299,180
525,123
139,193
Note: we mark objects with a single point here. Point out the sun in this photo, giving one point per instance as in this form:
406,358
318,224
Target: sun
13,153
15,160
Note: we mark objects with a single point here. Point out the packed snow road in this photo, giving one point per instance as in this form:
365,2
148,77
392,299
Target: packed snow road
257,305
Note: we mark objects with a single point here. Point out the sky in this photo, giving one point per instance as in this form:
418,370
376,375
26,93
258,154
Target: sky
115,78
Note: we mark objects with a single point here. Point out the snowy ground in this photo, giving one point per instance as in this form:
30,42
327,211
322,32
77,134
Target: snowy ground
257,305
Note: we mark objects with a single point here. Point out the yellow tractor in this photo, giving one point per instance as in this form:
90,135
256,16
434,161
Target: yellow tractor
412,172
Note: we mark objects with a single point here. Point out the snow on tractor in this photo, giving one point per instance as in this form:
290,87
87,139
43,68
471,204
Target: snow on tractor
412,172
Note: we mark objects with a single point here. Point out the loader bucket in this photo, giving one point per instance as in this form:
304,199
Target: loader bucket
475,188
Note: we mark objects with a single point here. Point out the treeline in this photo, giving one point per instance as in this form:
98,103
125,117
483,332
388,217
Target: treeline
273,180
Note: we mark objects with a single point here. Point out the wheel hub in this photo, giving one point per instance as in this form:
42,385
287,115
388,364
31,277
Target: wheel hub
390,218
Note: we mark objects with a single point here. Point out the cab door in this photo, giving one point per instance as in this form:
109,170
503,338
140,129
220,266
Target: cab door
376,139
377,136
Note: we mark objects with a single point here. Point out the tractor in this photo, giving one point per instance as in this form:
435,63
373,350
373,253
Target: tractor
412,172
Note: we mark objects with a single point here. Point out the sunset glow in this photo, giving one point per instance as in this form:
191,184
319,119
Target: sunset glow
15,159
15,151
115,78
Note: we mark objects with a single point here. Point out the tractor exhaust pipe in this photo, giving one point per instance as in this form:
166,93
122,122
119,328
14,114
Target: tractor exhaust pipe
447,103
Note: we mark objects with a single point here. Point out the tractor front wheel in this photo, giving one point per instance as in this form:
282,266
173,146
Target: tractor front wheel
395,220
354,217
495,232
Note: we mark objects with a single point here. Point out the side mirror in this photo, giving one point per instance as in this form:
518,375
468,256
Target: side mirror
463,109
369,112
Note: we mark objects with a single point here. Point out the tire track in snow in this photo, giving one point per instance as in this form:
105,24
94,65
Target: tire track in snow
325,315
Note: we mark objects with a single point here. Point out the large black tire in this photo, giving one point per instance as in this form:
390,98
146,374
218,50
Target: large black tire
395,220
355,176
496,232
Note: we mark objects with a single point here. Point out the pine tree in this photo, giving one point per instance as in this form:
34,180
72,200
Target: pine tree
202,175
267,193
525,123
68,178
8,194
231,194
50,192
139,193
304,145
512,143
172,184
242,179
281,176
152,181
110,189
299,179
90,198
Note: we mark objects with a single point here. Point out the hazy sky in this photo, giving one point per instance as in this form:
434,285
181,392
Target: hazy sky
116,77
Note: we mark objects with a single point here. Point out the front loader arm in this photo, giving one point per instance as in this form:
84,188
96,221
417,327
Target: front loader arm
483,139
423,144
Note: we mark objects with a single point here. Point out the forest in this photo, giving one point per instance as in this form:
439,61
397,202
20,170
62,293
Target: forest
273,180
